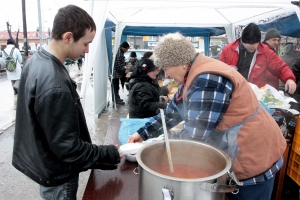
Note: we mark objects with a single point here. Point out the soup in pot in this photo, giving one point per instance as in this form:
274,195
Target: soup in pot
182,171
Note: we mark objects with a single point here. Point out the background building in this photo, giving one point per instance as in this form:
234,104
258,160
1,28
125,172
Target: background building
33,38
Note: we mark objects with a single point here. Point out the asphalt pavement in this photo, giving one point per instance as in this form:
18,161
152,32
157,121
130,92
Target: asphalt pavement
13,184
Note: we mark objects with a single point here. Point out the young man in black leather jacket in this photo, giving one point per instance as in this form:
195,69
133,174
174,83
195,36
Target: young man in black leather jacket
52,144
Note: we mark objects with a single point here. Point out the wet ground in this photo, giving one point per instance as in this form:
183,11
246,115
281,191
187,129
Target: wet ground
13,184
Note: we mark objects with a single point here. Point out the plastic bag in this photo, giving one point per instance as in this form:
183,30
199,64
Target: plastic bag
271,97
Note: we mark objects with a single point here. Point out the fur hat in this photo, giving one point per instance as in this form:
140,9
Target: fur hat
251,34
125,45
133,54
9,41
272,33
172,50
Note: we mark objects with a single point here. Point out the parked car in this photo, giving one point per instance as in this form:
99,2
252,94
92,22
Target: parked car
139,53
30,53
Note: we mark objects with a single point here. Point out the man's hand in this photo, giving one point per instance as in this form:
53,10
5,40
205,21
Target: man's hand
117,146
290,86
135,138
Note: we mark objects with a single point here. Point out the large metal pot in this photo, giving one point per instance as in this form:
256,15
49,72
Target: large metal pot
153,185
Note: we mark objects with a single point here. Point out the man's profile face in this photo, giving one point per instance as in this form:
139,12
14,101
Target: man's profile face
273,42
124,49
81,47
251,47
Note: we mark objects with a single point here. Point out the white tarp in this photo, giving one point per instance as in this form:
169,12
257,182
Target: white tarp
96,60
176,13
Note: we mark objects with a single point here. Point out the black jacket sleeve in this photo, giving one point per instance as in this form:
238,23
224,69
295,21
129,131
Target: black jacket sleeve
164,91
146,99
296,70
58,117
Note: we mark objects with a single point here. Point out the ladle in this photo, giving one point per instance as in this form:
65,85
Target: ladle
166,140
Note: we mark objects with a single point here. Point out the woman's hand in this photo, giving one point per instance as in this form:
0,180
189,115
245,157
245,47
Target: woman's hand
290,86
135,138
170,88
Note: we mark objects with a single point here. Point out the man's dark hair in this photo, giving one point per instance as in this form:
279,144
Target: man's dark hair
125,45
148,54
72,19
10,41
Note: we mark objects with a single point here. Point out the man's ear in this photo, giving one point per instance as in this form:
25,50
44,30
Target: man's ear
67,37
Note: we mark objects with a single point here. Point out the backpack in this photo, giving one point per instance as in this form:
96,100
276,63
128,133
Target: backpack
10,61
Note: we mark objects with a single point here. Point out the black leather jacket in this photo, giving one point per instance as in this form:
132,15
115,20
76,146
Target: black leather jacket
52,141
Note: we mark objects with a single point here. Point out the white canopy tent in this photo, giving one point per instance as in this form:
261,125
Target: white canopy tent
168,13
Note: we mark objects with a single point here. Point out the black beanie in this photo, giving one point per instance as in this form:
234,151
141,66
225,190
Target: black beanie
125,45
133,54
251,34
272,33
9,41
147,65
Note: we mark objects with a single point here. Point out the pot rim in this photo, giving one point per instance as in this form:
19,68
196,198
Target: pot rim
208,178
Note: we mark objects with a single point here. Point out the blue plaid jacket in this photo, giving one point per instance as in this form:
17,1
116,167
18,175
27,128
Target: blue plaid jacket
208,100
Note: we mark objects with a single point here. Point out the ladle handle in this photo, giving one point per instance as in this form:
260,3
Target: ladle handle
166,140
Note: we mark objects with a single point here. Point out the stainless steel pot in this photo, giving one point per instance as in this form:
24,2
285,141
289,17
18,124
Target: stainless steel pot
153,185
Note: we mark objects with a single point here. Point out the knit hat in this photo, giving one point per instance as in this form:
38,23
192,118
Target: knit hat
125,45
133,54
251,34
272,33
10,41
173,50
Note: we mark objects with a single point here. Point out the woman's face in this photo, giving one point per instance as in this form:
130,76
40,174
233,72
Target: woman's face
153,74
176,72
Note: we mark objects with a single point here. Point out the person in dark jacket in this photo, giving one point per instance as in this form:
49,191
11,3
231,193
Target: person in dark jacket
79,63
144,95
52,144
296,71
119,73
133,60
164,90
291,58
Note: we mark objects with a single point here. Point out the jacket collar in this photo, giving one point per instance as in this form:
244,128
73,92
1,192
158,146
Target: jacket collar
261,49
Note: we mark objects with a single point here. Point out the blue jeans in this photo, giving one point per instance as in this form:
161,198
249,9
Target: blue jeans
262,191
66,191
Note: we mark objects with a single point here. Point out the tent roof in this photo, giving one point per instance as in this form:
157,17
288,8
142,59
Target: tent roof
195,13
157,31
287,25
